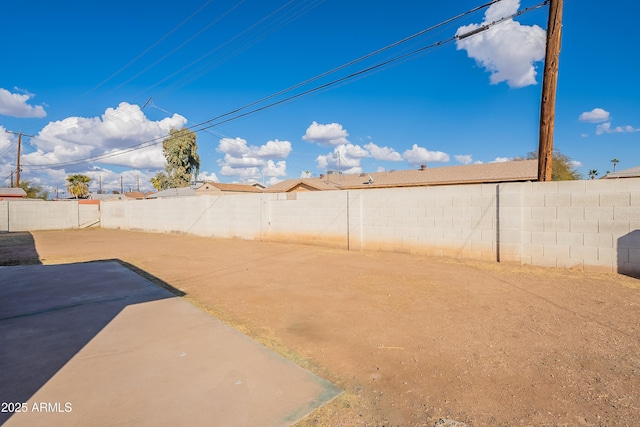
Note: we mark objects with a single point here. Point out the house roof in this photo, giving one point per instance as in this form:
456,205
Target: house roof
134,195
237,188
633,172
173,192
12,192
316,184
522,170
107,196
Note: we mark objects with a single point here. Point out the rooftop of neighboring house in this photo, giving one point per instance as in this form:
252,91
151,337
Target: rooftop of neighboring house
216,188
231,188
514,171
633,172
12,193
173,192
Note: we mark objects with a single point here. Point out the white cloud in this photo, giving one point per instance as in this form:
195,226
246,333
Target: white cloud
575,163
383,153
78,138
465,159
607,128
15,105
250,163
329,135
346,157
500,160
238,148
208,177
5,140
244,174
273,169
418,155
508,50
597,115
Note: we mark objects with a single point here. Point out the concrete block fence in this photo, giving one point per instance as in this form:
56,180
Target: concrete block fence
31,215
587,225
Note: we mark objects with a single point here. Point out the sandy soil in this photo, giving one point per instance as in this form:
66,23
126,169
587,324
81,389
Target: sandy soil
411,339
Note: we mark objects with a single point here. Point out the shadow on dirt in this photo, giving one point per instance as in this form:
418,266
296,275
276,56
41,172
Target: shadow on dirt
18,249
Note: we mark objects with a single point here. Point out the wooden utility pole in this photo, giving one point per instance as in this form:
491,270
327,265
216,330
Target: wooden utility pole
549,84
20,134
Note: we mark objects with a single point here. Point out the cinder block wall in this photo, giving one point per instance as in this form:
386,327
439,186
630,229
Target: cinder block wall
4,216
590,225
237,216
29,215
453,221
319,218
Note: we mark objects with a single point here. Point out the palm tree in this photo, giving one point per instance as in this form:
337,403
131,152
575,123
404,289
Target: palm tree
593,173
615,162
78,185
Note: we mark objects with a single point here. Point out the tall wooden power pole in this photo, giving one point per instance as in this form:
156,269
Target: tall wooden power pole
549,84
20,134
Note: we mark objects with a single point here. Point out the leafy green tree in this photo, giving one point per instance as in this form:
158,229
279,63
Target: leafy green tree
34,191
615,162
78,185
593,173
562,168
183,162
160,181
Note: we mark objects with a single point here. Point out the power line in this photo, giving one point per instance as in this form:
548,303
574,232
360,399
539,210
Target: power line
213,121
366,70
213,22
183,44
20,134
355,61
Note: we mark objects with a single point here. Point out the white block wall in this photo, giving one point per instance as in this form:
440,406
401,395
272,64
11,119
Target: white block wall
211,216
455,221
307,217
26,215
590,225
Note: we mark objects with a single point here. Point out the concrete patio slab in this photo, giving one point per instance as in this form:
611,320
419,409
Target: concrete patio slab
97,344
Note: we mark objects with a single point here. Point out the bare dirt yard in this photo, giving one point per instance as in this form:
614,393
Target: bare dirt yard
411,339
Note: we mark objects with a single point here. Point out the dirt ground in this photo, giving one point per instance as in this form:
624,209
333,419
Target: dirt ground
411,339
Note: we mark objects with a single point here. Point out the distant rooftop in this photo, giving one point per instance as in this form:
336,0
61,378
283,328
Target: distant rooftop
514,171
633,172
12,192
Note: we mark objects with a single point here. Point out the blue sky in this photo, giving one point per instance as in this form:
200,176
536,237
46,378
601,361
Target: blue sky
76,76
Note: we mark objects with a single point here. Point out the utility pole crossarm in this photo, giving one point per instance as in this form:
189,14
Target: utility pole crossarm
549,84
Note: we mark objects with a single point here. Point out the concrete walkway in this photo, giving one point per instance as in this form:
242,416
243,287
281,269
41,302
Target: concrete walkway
97,344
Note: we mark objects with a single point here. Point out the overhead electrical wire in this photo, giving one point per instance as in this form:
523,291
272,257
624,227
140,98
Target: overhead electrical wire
280,21
156,43
142,54
216,120
360,59
124,113
180,46
212,51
